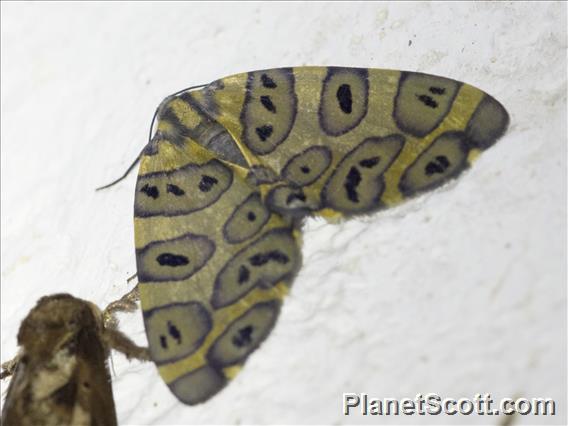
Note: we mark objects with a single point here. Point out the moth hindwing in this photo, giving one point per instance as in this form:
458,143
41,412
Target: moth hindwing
234,167
60,376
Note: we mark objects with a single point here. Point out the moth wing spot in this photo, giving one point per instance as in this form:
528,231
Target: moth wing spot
356,184
175,190
244,335
439,165
369,163
244,274
268,82
422,102
261,259
308,166
207,183
247,220
344,100
174,332
487,124
269,109
444,159
150,191
175,259
212,179
255,264
267,103
177,330
198,385
437,90
428,101
264,132
352,181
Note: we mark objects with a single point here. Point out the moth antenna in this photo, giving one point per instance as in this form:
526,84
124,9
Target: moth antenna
127,172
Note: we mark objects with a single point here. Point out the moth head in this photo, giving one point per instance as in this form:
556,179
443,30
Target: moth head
54,323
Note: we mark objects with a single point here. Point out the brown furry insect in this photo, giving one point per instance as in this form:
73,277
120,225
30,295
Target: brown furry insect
61,377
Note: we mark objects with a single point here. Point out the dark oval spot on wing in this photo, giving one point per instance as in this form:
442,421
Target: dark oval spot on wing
267,103
264,132
306,167
151,191
244,334
444,159
175,259
357,183
428,101
369,162
269,109
351,183
438,165
164,190
247,220
174,189
345,98
176,330
243,337
268,82
171,259
270,259
207,183
423,101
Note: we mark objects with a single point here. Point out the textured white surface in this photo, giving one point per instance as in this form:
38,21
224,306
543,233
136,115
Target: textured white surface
458,292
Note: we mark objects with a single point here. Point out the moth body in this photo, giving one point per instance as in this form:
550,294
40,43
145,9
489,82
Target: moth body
60,376
234,167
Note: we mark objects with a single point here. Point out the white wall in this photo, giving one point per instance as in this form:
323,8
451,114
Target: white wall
459,292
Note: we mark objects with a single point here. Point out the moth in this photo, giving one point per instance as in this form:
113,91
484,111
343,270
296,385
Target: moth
234,168
60,376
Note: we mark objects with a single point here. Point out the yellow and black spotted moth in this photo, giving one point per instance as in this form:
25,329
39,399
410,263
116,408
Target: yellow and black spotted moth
60,376
234,167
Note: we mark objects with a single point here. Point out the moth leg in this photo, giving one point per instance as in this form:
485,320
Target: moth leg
116,339
127,303
9,367
120,342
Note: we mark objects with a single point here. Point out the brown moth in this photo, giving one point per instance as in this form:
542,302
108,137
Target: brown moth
60,376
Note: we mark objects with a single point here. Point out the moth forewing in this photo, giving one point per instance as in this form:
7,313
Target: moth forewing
60,376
